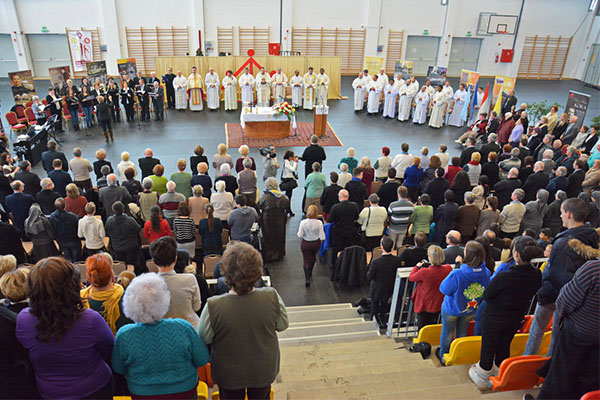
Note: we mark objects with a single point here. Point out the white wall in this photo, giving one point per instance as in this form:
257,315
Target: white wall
542,17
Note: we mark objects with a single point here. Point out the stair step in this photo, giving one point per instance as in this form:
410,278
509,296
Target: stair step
327,328
337,347
465,391
328,338
380,353
337,306
340,321
322,314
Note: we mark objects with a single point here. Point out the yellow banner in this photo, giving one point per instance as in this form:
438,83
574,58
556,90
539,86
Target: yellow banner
373,64
503,83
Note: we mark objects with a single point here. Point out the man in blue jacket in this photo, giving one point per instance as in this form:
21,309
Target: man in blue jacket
571,249
65,225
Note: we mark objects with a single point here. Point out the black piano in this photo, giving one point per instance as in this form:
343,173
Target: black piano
32,148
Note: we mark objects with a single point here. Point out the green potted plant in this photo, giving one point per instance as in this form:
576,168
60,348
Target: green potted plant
536,110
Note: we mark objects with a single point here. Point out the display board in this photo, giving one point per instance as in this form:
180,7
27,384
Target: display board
21,85
436,75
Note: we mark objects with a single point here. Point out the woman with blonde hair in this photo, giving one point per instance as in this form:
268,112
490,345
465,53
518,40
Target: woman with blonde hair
221,158
125,278
203,179
197,204
349,160
344,176
103,295
74,202
123,165
368,173
100,162
312,234
473,168
239,163
13,285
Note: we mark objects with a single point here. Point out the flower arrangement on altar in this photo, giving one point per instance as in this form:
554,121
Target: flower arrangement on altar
285,109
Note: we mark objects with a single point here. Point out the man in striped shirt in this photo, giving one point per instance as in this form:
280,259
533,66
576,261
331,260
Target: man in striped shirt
399,213
574,367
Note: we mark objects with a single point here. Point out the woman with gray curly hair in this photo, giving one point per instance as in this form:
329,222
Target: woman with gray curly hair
175,344
242,326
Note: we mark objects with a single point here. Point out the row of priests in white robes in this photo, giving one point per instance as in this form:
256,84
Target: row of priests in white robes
374,91
230,91
437,109
390,94
407,93
212,83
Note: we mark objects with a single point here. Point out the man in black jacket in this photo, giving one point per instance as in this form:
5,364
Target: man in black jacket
11,242
357,189
505,187
52,154
158,101
343,216
388,192
436,188
313,153
490,146
329,198
168,81
571,249
47,196
60,178
123,232
410,257
510,103
465,156
30,179
65,225
147,163
493,123
382,275
576,178
142,92
453,248
536,181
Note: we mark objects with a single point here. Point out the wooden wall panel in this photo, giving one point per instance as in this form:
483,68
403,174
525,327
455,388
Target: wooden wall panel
225,40
544,57
254,38
395,46
145,44
348,44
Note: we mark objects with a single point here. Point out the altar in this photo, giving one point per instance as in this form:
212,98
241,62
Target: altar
265,123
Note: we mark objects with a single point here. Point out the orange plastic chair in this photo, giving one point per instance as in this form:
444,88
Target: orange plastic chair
526,324
518,373
205,376
595,395
215,395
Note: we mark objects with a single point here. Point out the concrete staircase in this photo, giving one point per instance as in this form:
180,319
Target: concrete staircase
326,323
329,352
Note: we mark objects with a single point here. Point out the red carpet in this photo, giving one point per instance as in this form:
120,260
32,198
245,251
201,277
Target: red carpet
236,138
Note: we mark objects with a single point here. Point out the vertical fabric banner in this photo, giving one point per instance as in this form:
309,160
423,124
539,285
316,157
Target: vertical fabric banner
373,64
80,45
21,85
469,79
577,105
502,83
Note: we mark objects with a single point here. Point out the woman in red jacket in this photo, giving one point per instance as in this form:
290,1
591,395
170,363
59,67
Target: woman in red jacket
156,227
427,297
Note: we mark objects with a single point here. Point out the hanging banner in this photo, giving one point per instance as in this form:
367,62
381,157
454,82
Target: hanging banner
403,69
96,71
127,69
21,84
80,45
504,83
436,75
577,105
469,79
373,64
59,77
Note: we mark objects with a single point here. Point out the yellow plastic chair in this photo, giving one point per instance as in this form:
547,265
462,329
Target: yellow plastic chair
430,334
215,395
464,350
121,398
202,391
545,346
517,346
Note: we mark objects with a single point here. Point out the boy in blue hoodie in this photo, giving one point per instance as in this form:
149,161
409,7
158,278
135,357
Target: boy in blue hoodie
463,290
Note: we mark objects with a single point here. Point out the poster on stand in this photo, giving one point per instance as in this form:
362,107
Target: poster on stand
436,75
373,64
577,105
59,77
21,85
96,71
504,83
127,69
403,69
469,79
80,47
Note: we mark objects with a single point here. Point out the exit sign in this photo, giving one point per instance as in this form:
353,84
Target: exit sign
45,29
